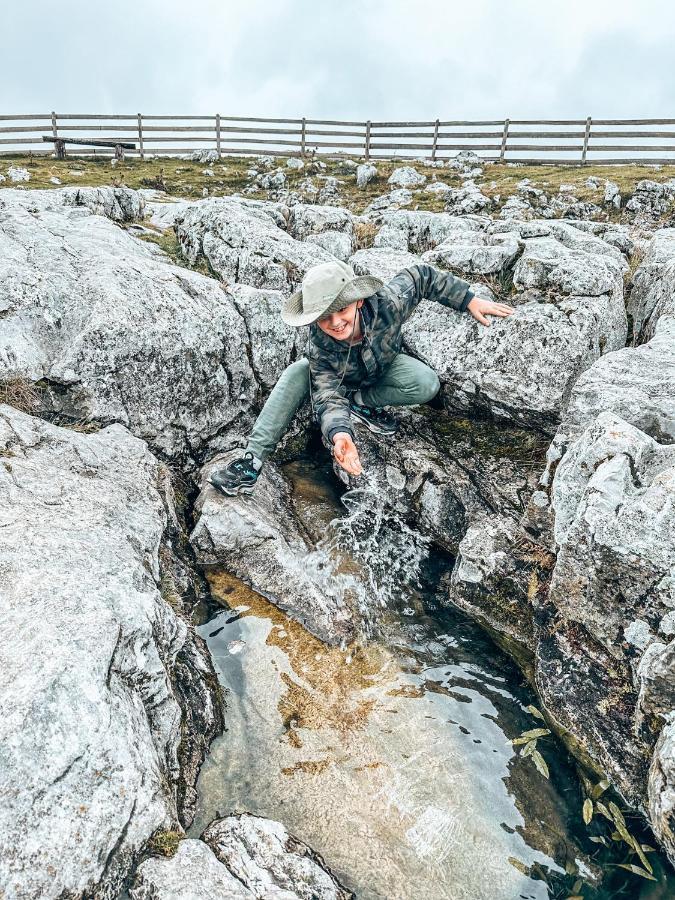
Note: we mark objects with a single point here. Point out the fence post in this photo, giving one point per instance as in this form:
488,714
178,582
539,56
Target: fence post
433,149
367,153
302,138
218,135
505,135
140,136
587,134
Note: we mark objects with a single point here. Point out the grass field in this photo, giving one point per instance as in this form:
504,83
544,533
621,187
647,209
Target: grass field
183,178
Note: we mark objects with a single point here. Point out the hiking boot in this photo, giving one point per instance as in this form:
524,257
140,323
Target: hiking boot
374,417
239,477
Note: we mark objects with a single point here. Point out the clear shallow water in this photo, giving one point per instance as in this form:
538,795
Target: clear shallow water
392,758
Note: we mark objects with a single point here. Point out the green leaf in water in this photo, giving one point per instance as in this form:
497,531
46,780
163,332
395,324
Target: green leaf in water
636,870
535,712
535,733
599,839
601,808
518,864
578,884
587,810
540,763
617,815
529,748
575,897
643,859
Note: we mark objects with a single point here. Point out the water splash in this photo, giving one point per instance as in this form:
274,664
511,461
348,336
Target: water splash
369,557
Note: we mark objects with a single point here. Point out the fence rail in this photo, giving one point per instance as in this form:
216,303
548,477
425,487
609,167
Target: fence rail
567,141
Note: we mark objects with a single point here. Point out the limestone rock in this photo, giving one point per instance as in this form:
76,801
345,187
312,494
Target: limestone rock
406,177
245,245
383,262
422,231
192,873
121,204
467,199
652,297
270,861
259,540
365,174
117,333
475,253
90,730
305,220
613,495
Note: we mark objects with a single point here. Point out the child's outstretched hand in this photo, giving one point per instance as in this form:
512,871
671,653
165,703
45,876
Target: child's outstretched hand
480,308
345,452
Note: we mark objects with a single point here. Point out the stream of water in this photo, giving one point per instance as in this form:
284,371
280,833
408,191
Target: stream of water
393,758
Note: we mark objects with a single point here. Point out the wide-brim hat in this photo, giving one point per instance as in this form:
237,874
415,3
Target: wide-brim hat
327,288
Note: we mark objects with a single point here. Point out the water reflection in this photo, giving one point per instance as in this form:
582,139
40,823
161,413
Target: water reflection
391,758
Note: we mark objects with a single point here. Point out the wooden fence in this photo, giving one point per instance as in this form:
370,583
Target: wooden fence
566,141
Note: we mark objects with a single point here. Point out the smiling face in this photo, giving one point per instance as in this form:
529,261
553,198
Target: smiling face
343,324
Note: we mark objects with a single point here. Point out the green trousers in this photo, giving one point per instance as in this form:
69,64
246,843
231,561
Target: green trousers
405,382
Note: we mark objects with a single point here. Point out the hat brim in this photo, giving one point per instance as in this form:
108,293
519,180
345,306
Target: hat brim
357,289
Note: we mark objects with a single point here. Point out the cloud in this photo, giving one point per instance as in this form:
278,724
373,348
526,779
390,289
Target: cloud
383,60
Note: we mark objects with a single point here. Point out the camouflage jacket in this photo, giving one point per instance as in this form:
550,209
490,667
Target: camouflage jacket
382,317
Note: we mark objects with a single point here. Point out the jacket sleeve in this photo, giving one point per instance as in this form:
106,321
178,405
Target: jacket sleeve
329,398
422,281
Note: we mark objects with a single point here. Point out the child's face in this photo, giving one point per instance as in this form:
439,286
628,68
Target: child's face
341,325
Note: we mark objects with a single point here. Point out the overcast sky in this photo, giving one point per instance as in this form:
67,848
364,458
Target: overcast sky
289,58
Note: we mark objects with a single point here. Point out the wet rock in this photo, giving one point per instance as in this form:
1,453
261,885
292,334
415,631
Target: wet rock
365,174
117,333
406,177
270,861
193,873
449,471
90,739
258,539
245,245
495,577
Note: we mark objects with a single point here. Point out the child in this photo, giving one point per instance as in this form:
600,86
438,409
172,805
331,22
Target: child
345,311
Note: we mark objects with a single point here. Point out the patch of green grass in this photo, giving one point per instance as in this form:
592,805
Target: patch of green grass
165,843
184,178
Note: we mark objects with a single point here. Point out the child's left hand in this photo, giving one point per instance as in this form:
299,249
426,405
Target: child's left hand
480,308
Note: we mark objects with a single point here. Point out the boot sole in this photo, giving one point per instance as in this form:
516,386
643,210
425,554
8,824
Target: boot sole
244,489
